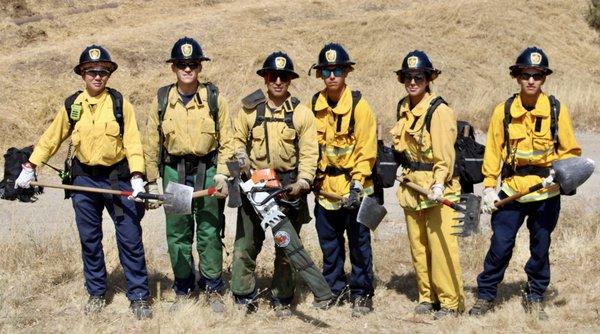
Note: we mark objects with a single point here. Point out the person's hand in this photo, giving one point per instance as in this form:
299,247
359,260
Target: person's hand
353,199
221,185
244,160
437,193
152,188
137,183
489,198
297,188
25,177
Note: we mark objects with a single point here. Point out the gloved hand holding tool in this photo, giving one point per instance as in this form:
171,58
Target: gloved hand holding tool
26,176
490,197
437,192
221,186
353,199
137,184
298,188
152,188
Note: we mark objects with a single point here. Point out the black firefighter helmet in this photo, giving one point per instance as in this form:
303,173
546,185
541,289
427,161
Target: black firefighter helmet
95,54
187,49
278,61
531,57
418,60
333,54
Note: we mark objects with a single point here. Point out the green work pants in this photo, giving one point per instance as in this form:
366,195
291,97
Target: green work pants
208,220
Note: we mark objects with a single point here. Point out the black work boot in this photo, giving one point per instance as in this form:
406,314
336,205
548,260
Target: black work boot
215,301
362,305
481,307
141,309
180,299
325,304
94,305
444,313
425,308
282,310
536,307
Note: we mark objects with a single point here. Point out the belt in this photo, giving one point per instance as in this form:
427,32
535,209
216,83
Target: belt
507,171
121,169
190,164
335,171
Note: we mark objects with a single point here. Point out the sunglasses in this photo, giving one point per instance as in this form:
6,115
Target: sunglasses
536,76
183,66
337,72
94,73
417,77
284,77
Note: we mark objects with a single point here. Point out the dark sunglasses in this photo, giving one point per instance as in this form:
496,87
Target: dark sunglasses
536,76
183,66
337,72
94,73
284,77
417,77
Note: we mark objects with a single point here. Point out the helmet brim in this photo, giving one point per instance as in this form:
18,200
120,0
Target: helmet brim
174,60
433,72
113,65
517,67
322,65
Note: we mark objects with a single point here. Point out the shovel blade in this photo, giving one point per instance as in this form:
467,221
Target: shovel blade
235,196
469,222
370,213
570,173
178,199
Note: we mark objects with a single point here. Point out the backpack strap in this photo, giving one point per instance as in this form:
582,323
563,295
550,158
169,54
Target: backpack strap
117,100
69,101
432,107
506,122
163,99
356,96
554,113
398,108
213,104
313,102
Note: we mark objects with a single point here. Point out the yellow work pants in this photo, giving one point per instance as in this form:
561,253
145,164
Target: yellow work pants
435,256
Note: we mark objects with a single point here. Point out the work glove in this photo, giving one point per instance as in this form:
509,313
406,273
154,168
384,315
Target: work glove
489,198
353,199
221,186
297,188
549,180
437,193
137,183
242,157
152,188
25,177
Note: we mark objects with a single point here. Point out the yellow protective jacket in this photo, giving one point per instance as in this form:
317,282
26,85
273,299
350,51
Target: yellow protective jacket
188,129
412,138
282,140
527,146
355,152
96,136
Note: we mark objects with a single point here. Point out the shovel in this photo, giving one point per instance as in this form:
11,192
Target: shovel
471,204
235,196
177,198
569,174
370,212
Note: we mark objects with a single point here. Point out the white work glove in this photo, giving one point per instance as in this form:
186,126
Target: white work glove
221,186
137,183
297,188
242,157
489,198
152,188
549,180
25,177
437,193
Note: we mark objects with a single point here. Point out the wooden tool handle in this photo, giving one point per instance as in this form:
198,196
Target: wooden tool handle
205,192
539,186
81,188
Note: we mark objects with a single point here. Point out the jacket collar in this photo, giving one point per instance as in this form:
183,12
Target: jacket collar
344,104
174,96
420,109
542,107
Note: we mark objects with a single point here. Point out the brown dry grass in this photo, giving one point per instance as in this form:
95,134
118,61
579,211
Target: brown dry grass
473,42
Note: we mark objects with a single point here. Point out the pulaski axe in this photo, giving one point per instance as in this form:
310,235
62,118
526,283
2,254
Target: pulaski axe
177,198
469,206
568,174
370,212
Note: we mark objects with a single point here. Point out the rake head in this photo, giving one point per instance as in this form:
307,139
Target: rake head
468,223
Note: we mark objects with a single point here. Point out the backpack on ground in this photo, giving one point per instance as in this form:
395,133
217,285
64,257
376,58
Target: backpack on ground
13,159
163,100
469,153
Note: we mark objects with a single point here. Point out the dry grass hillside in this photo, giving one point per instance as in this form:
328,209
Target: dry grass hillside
472,41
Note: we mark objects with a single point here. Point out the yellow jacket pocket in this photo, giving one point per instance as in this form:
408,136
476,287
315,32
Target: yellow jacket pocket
259,149
288,144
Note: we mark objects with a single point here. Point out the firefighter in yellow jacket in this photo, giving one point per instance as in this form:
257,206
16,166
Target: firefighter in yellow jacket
188,139
424,138
107,154
526,134
346,133
276,132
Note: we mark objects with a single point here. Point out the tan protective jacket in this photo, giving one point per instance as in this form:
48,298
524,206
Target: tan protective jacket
411,137
355,151
96,136
527,146
282,154
188,129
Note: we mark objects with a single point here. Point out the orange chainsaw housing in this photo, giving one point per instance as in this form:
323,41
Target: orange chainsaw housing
267,175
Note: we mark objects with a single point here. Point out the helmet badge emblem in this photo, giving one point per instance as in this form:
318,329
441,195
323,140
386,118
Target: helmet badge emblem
187,49
535,58
280,62
331,55
94,54
412,62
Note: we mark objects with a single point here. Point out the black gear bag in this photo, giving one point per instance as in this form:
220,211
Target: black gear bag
13,159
